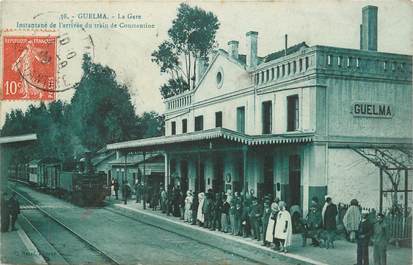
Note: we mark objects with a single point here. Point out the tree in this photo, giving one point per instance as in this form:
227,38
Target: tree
191,36
151,124
101,110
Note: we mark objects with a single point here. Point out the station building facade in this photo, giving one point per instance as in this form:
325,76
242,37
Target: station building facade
288,123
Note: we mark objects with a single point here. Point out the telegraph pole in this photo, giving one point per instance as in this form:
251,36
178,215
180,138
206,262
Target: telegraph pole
145,188
125,198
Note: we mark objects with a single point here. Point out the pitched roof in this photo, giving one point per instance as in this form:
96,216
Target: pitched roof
102,157
133,159
242,58
216,133
290,50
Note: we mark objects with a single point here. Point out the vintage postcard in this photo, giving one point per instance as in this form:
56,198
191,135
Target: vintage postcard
206,132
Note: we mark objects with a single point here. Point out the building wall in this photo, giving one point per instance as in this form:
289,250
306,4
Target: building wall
343,93
351,76
253,112
353,177
334,80
234,79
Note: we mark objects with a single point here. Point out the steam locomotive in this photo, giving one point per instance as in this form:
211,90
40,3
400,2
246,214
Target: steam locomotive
75,180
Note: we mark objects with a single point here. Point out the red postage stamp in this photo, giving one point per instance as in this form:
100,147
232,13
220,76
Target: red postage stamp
29,68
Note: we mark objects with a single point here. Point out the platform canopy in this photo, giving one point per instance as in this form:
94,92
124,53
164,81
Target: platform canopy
18,138
213,134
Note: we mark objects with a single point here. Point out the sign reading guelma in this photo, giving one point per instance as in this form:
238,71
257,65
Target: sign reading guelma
372,110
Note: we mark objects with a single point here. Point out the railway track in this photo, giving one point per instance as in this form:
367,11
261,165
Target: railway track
71,246
244,257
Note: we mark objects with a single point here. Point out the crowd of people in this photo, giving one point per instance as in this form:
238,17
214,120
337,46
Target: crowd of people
269,220
10,209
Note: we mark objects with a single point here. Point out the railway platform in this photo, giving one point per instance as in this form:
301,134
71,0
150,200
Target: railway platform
304,255
17,248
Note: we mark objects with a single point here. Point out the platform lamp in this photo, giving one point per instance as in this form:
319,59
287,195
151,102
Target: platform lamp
125,198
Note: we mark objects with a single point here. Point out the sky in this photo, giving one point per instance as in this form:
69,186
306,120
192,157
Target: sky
128,51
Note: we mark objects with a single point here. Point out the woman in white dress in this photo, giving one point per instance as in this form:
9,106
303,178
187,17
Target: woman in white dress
283,228
188,207
200,215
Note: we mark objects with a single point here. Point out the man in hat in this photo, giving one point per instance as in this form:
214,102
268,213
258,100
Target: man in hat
5,215
14,210
116,188
363,238
138,191
254,216
381,237
312,223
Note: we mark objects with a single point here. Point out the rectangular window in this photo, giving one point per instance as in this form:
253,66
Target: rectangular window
262,77
268,75
173,128
283,70
292,113
241,119
329,57
300,64
288,68
218,119
272,73
358,62
199,123
257,78
339,59
184,126
307,63
278,72
348,61
294,67
267,117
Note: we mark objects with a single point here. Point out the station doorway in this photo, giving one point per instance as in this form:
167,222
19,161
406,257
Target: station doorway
294,196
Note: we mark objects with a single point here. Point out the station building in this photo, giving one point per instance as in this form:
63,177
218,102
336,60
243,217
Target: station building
288,123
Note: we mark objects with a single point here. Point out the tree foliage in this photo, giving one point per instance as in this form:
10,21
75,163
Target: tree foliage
48,122
151,124
191,36
100,112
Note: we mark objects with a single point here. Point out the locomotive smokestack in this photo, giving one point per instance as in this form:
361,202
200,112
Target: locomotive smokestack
88,163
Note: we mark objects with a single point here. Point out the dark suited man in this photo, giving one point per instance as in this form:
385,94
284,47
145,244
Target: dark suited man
14,210
5,215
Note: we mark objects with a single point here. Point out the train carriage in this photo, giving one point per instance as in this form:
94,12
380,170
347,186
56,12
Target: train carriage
76,181
34,176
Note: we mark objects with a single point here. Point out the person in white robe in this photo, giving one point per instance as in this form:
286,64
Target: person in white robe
200,215
283,227
269,233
